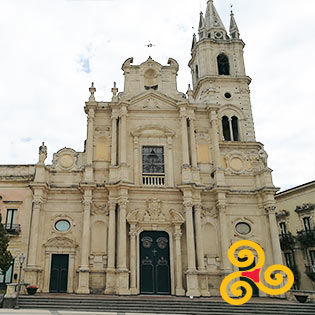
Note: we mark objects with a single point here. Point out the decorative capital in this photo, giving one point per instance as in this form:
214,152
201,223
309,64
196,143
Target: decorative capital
112,205
188,204
37,203
177,235
123,202
221,207
270,209
91,114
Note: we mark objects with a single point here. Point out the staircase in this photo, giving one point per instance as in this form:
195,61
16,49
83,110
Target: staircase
165,305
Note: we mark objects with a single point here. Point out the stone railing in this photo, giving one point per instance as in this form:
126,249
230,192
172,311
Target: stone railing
153,180
14,229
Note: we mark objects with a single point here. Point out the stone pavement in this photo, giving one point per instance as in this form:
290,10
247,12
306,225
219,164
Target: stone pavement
54,312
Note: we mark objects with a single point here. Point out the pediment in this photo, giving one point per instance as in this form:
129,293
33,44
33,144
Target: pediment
152,101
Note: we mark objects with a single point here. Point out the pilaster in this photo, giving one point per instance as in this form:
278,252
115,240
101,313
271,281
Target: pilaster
83,286
110,272
191,273
123,273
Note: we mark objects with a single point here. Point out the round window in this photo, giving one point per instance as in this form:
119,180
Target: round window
227,95
243,228
62,225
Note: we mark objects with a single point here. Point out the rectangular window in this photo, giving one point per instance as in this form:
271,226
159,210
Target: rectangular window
7,277
11,218
289,259
312,256
307,223
152,160
283,228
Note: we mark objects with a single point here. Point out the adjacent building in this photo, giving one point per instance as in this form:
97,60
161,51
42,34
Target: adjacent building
296,217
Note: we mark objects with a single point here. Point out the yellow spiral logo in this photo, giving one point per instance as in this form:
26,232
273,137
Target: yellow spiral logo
272,275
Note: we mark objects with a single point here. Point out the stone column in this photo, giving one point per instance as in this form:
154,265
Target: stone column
199,239
224,233
47,272
32,253
137,174
71,272
219,172
215,138
123,136
133,259
110,272
114,141
185,151
88,171
170,162
84,270
193,151
191,274
270,209
123,288
178,259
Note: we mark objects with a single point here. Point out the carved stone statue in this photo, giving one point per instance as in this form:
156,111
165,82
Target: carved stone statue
263,156
42,153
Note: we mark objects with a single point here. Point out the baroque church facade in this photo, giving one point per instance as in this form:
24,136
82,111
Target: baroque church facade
166,183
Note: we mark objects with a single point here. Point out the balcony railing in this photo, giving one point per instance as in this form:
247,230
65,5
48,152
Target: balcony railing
287,241
153,180
13,229
306,238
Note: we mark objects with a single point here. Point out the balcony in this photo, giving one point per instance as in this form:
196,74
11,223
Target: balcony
13,229
287,241
310,272
306,238
153,180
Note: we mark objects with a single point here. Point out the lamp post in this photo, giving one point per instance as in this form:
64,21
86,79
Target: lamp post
21,262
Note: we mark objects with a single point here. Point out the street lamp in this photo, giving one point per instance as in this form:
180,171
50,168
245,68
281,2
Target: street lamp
21,262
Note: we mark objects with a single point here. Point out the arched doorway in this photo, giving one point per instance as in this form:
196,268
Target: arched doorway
154,263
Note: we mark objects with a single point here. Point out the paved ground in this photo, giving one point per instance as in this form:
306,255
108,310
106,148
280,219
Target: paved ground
47,312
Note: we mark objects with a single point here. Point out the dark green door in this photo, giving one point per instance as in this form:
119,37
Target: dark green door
59,273
251,282
154,263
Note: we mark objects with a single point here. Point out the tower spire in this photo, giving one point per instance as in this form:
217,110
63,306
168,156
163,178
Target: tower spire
210,24
234,32
212,18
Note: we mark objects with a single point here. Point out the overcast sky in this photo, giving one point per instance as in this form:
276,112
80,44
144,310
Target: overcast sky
51,51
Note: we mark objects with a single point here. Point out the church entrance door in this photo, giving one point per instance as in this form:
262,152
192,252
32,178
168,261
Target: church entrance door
154,263
59,273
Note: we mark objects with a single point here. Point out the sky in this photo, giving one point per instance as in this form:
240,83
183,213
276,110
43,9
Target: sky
51,51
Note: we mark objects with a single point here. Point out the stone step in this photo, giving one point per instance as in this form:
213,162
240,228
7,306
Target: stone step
163,305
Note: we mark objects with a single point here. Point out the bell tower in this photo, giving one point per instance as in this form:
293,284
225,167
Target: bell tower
218,71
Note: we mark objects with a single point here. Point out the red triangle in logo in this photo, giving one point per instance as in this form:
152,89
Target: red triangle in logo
253,275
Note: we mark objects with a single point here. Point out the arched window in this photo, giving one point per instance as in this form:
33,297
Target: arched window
197,72
223,65
235,128
226,128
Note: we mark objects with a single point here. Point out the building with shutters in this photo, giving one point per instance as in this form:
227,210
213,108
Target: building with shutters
166,183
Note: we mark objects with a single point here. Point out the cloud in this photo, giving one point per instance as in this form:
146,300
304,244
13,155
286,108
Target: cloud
42,92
